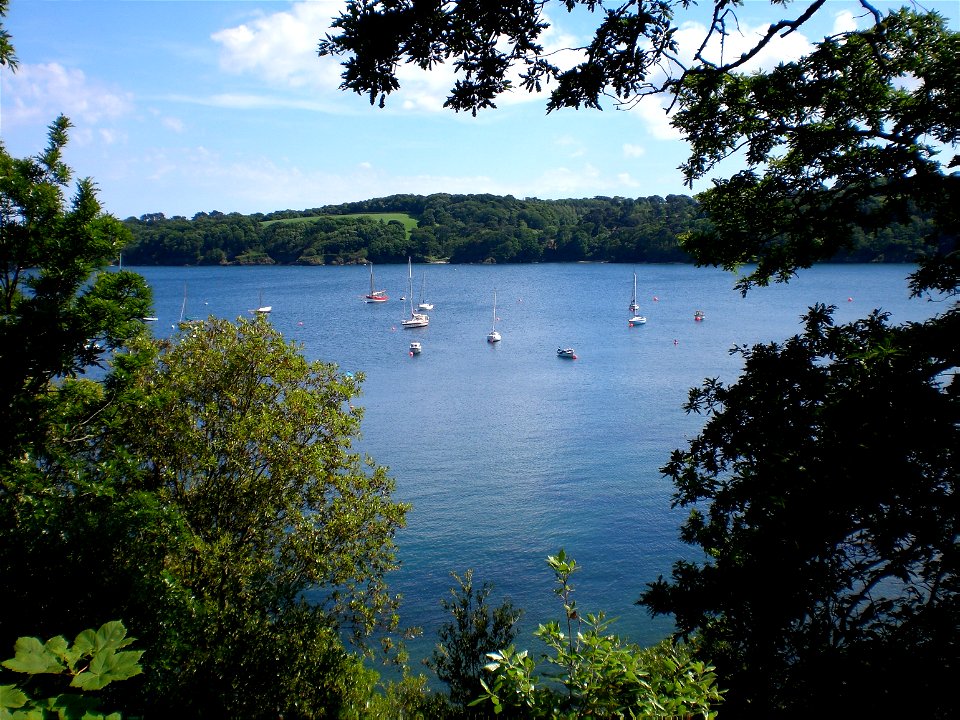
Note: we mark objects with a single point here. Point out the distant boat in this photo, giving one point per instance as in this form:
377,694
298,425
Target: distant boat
183,309
635,317
415,348
149,318
262,309
416,319
375,296
493,336
424,305
698,315
567,352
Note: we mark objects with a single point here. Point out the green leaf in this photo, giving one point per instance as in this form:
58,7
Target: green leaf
112,635
108,666
33,658
12,697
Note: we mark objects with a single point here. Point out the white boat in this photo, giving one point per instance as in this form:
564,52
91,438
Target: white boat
698,315
262,309
493,336
416,319
415,348
424,305
186,319
567,352
635,317
375,296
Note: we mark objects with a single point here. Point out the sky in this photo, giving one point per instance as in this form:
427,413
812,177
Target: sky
187,106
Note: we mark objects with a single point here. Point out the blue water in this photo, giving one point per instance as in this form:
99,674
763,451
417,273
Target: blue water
507,452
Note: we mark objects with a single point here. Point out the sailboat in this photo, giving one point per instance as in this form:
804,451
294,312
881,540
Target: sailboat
416,319
262,309
186,319
635,317
424,305
494,336
375,296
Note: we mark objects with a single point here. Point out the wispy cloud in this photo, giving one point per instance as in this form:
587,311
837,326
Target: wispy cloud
43,91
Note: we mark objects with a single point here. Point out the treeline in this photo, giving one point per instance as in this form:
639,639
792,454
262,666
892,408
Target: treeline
459,229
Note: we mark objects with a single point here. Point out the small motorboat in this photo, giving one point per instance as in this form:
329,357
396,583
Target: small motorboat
566,353
416,348
698,315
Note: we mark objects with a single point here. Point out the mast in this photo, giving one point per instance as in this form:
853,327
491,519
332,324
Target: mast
410,282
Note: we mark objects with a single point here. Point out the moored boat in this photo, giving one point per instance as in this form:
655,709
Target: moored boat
375,296
635,317
416,319
493,336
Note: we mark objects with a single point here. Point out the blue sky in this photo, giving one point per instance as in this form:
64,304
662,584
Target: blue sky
199,105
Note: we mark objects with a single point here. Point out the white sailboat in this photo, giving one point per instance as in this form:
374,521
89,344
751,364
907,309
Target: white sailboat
493,336
423,304
635,317
375,296
262,309
416,319
186,319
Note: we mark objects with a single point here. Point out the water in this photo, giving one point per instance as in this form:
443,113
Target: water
507,452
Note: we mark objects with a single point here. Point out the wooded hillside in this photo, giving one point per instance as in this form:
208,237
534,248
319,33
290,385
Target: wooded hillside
458,229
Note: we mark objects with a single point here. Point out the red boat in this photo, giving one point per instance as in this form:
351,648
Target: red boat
375,296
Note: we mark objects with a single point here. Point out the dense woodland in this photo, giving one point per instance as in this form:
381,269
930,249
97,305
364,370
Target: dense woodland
460,229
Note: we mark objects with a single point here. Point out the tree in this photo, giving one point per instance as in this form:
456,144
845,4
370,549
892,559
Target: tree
823,491
283,535
474,631
7,55
596,674
59,314
823,486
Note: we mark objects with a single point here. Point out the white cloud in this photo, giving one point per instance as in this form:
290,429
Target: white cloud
633,151
281,48
739,42
41,92
844,22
